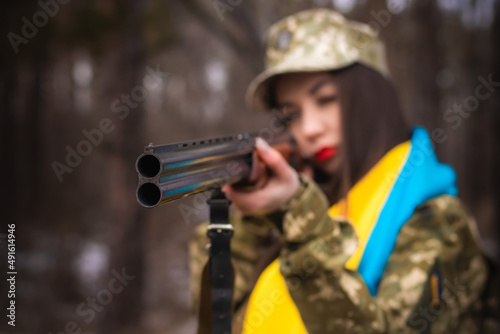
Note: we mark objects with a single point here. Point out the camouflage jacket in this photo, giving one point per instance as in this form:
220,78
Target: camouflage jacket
440,236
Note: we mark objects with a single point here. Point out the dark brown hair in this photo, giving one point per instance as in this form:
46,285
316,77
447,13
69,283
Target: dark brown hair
373,122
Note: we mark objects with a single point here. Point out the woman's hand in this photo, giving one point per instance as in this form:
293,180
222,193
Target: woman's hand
273,189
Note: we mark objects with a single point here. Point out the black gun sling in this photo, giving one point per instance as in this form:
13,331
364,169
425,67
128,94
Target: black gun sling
215,316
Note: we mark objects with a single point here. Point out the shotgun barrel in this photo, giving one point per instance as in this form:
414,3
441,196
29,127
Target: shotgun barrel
172,171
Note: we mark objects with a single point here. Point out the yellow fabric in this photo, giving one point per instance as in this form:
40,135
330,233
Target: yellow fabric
271,309
367,198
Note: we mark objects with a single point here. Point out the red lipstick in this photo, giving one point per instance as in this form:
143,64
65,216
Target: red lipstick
325,153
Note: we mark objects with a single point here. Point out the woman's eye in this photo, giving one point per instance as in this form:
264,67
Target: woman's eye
327,99
290,116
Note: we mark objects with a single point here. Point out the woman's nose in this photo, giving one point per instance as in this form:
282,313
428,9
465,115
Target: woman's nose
312,126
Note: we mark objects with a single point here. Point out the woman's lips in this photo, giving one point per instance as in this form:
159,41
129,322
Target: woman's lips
325,153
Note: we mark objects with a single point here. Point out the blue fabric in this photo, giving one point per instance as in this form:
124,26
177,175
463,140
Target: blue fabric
422,178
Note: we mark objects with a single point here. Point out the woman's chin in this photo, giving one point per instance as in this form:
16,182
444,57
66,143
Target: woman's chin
329,166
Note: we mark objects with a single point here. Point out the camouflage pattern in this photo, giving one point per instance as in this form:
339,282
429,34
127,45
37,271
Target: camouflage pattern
440,238
252,237
315,40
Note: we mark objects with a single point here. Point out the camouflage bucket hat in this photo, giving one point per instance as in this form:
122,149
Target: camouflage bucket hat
315,40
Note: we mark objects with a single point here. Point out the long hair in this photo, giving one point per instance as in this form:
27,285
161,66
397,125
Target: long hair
373,122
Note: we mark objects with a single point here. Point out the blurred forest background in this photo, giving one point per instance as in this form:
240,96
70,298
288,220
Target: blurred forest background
185,66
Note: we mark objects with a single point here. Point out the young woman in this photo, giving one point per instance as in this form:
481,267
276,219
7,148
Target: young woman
372,238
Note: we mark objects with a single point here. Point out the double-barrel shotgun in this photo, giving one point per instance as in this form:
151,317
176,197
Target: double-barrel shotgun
172,171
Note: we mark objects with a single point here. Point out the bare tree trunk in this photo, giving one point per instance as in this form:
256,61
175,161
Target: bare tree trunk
126,218
8,125
428,55
495,106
